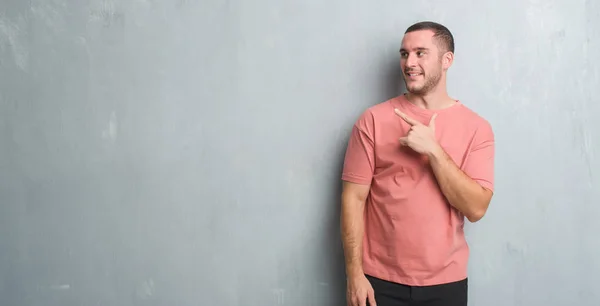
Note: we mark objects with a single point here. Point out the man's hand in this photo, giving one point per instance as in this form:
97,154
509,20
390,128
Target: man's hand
359,290
420,137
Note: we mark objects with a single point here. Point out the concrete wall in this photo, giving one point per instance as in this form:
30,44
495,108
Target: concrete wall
188,152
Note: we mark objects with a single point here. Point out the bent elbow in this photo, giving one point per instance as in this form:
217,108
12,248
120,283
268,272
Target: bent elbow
479,209
475,216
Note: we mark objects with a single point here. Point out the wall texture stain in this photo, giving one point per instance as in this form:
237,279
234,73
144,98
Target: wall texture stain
189,152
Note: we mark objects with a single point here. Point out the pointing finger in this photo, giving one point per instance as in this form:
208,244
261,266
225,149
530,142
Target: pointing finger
406,118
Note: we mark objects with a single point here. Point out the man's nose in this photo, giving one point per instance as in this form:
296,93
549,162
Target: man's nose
411,61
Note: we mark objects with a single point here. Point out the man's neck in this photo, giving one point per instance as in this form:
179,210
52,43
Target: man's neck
432,100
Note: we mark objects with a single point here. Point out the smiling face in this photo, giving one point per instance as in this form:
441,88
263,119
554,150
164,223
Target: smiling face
423,62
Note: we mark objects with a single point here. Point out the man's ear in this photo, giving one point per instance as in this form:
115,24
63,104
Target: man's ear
447,60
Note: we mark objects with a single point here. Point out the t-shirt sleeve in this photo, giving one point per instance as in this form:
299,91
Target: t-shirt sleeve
359,161
480,162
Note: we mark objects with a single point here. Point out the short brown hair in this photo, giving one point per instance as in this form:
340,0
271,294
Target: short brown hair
441,33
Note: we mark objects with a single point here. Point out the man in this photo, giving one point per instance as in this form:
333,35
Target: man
415,167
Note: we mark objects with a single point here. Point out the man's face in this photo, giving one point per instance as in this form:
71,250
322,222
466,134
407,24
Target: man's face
421,61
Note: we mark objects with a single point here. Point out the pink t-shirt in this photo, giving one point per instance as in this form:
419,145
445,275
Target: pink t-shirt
412,235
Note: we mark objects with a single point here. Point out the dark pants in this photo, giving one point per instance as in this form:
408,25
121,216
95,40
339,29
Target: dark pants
393,294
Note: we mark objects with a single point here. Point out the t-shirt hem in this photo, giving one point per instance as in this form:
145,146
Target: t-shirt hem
486,184
414,281
355,179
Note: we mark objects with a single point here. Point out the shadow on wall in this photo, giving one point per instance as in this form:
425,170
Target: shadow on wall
389,85
392,83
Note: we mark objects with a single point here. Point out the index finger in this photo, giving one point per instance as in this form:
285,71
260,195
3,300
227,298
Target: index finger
408,120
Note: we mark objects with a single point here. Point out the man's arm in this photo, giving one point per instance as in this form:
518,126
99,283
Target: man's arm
357,174
352,225
469,190
465,194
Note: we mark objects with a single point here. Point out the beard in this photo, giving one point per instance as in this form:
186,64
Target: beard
432,79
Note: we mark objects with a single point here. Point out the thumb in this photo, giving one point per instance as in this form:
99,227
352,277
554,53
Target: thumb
403,141
432,121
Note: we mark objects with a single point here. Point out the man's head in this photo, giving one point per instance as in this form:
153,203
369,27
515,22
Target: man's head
427,52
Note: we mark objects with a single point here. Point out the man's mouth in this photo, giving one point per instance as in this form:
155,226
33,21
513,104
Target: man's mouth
413,74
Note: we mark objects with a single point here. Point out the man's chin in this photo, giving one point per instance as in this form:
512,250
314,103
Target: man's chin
414,89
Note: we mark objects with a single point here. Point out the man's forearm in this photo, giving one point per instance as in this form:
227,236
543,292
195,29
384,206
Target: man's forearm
352,229
462,192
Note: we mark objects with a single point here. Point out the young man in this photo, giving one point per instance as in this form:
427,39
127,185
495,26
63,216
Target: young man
415,167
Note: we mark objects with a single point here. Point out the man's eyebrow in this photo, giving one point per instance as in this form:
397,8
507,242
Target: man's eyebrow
417,49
